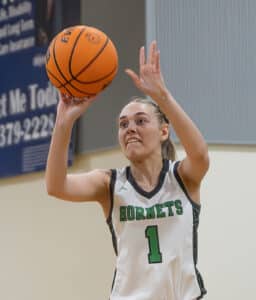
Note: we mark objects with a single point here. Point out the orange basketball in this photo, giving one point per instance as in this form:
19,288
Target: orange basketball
81,61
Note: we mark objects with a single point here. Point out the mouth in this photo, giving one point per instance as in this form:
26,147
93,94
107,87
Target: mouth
132,141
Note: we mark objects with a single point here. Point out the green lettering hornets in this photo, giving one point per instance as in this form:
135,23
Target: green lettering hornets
152,205
156,211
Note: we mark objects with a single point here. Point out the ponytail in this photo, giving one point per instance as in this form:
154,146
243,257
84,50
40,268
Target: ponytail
168,150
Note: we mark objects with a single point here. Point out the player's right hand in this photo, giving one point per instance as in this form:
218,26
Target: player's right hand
70,109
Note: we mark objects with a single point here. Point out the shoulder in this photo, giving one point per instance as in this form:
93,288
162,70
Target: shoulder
103,175
171,167
189,188
117,178
109,177
119,173
106,173
97,180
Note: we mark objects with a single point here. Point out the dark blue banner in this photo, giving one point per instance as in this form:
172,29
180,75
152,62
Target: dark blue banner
27,99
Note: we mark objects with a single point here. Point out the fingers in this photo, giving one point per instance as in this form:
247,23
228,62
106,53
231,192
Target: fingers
153,58
65,98
84,99
76,101
142,56
134,77
157,63
132,74
152,53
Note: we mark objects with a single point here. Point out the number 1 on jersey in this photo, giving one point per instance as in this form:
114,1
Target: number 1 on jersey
154,256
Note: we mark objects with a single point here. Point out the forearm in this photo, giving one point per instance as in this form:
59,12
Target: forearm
187,132
56,169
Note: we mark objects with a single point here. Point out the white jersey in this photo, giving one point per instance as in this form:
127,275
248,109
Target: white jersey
155,238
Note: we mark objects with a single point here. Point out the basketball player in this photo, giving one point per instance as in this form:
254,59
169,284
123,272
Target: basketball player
152,206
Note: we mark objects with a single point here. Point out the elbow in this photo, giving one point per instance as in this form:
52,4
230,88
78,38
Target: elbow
53,186
206,160
203,158
56,194
52,190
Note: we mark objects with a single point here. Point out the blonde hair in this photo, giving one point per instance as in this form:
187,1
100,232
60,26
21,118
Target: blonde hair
168,149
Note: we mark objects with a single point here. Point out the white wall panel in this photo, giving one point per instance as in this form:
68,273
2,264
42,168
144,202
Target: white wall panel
208,51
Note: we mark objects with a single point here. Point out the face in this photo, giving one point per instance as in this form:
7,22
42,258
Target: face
140,134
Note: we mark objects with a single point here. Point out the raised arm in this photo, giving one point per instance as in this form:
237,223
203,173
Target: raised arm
91,186
150,81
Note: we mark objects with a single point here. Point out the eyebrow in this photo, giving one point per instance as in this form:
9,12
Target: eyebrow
137,114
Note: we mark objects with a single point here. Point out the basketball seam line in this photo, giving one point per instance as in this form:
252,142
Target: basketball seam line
48,71
67,82
64,85
88,65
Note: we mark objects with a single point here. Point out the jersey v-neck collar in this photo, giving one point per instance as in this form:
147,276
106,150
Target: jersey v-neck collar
156,189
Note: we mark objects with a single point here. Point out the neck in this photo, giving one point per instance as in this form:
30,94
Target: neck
146,172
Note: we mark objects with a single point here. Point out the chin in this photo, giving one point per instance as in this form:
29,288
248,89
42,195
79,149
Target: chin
135,156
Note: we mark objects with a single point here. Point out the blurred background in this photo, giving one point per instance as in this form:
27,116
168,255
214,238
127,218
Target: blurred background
51,249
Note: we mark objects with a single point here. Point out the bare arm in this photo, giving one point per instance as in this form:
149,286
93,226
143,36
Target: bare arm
195,165
91,186
150,81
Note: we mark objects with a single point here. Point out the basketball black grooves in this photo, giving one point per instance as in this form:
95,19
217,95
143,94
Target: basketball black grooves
90,62
68,82
64,86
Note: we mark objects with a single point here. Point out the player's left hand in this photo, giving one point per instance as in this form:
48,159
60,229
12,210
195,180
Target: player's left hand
150,80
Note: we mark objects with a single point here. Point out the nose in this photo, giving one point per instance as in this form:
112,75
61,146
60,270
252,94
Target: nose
131,127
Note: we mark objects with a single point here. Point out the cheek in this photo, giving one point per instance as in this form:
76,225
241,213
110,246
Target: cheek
152,140
120,137
152,135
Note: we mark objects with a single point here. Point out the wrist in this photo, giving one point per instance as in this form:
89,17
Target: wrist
162,96
64,123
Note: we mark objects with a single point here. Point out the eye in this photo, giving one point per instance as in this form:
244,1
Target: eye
123,124
141,121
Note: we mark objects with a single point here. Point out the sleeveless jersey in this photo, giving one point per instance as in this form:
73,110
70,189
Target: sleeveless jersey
155,238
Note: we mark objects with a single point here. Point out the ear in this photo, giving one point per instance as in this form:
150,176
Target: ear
164,132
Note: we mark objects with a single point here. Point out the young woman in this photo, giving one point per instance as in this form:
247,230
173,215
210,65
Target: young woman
152,206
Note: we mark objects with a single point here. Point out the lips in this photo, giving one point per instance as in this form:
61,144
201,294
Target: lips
132,140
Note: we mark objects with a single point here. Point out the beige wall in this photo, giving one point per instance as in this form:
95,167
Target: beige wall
53,249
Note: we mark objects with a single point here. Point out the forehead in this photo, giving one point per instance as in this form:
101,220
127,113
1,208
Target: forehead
135,108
